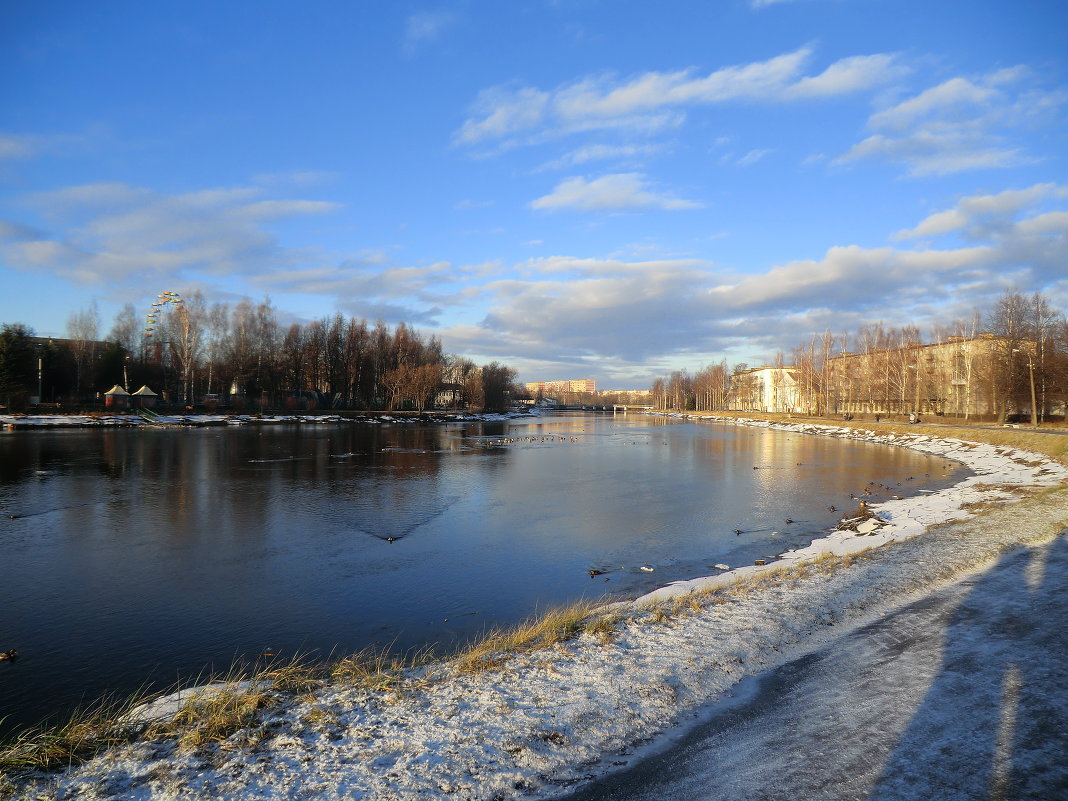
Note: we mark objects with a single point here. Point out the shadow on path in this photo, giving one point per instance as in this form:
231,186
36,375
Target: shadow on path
961,695
994,724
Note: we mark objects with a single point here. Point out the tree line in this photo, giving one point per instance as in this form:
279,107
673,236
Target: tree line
194,352
1017,347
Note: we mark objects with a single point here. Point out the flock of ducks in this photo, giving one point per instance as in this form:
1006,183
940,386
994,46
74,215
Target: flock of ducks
537,438
870,489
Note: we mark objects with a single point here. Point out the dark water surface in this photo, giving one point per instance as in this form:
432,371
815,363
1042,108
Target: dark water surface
149,555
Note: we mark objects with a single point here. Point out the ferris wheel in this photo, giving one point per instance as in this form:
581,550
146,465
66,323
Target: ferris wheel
163,299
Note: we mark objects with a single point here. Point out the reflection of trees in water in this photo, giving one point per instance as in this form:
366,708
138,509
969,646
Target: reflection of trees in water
396,484
385,481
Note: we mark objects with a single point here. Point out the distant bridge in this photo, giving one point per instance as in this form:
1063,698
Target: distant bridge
601,407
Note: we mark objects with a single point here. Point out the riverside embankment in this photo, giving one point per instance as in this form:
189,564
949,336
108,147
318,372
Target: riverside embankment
532,723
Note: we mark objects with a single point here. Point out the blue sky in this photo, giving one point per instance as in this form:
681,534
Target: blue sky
575,188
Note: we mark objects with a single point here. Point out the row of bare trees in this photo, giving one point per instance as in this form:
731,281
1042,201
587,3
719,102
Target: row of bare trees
243,355
704,391
1012,359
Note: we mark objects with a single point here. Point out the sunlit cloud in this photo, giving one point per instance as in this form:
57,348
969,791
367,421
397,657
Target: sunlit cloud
985,216
606,101
609,193
589,311
603,152
958,125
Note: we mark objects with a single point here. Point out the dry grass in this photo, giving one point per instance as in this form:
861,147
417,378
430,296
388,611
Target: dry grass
543,631
604,627
212,717
232,704
379,668
86,732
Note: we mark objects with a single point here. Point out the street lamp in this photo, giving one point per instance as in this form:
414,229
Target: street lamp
1031,371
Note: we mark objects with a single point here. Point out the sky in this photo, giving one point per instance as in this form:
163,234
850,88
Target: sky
574,188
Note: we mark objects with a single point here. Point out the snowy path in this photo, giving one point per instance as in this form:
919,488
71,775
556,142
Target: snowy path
960,695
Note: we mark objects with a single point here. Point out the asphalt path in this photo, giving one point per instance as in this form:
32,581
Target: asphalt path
961,695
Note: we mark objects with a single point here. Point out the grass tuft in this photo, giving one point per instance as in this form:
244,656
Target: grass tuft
604,627
86,732
213,716
377,668
557,626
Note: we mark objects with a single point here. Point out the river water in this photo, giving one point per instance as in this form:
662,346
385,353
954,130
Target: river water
146,556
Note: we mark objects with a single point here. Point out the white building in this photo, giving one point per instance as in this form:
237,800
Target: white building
765,389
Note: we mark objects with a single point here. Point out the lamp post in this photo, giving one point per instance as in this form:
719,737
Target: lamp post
1031,373
40,374
1034,405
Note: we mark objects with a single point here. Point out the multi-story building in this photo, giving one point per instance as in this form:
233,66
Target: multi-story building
543,388
765,389
962,377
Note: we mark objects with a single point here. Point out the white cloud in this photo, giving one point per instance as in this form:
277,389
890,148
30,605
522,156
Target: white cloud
958,125
114,232
26,146
426,26
936,153
602,152
956,99
617,192
12,147
500,112
985,215
605,101
597,312
752,157
853,74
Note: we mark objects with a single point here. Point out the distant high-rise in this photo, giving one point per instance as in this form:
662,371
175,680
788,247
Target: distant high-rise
570,385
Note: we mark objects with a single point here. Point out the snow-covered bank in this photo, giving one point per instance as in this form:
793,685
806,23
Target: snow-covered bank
128,420
998,475
547,719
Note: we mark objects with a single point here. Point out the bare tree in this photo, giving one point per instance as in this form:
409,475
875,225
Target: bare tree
184,326
83,330
1011,322
218,333
425,381
126,330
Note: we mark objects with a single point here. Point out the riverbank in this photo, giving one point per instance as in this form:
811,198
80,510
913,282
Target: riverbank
22,422
532,723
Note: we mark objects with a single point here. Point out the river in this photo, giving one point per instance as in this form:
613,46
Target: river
139,557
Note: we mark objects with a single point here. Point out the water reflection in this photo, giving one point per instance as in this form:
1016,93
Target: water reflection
152,554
